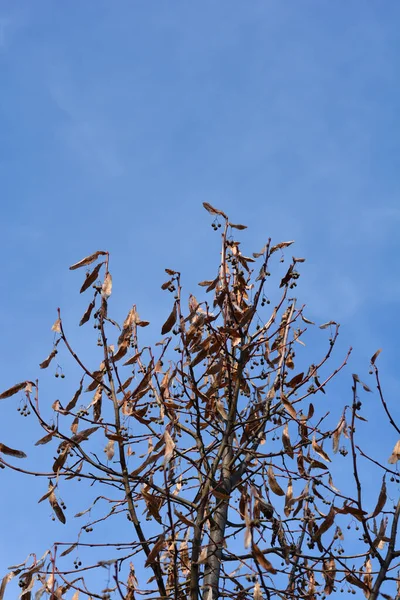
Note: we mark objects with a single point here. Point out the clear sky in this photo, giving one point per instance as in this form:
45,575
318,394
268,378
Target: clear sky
118,119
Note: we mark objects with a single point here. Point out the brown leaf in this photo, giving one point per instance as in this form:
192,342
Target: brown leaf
170,322
273,484
280,246
286,441
285,280
152,556
337,433
45,439
395,454
295,380
47,361
91,277
57,326
184,519
358,380
368,577
352,510
83,435
319,450
6,579
327,523
288,407
375,356
207,282
351,578
381,499
262,561
61,459
257,593
328,324
133,359
87,313
288,498
214,211
241,227
109,449
169,447
56,508
74,400
11,452
87,260
307,320
68,551
49,491
329,574
106,288
13,390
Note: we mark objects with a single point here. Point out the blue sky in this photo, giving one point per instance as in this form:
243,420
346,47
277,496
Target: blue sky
118,119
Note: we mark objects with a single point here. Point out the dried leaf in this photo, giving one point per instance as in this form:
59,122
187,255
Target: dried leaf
286,441
184,519
170,322
91,277
257,593
319,450
214,211
106,288
295,381
109,449
6,580
241,227
307,320
280,246
49,491
56,508
351,578
45,439
328,324
375,356
338,432
68,551
288,407
273,484
83,435
47,361
262,561
381,499
395,454
57,326
11,452
358,380
285,280
87,313
327,523
158,546
13,390
368,577
87,260
169,447
74,400
329,574
288,498
133,359
352,510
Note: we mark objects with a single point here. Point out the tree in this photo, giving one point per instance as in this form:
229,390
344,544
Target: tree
221,441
